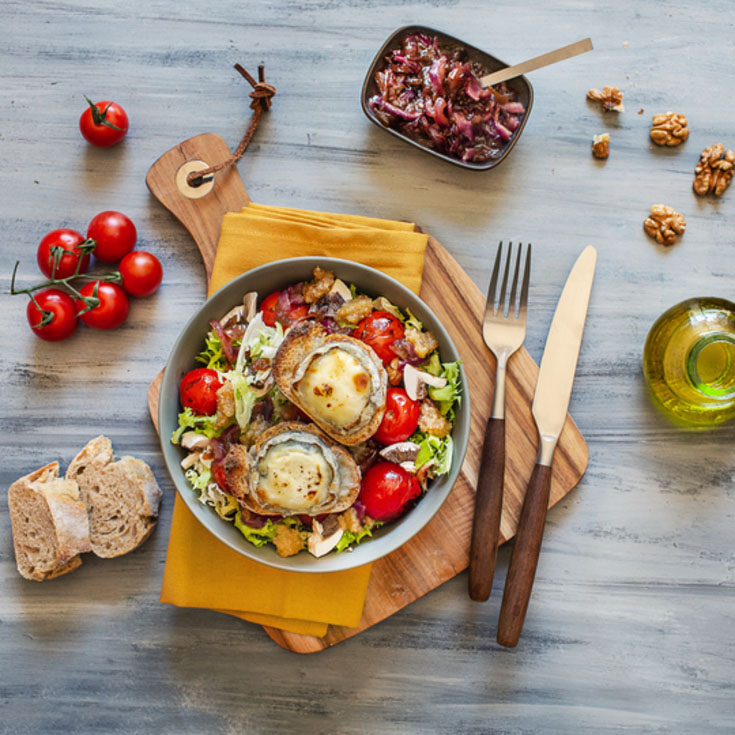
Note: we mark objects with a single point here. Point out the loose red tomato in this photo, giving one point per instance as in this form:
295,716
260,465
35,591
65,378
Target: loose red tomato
386,491
103,124
63,315
141,273
380,330
69,254
115,235
268,307
112,309
198,391
400,419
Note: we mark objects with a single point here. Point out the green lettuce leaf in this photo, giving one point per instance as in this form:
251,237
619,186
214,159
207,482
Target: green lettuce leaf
433,448
212,355
450,394
201,424
412,321
245,398
256,536
350,538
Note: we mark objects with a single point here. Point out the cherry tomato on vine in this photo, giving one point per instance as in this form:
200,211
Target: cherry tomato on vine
115,235
112,309
141,273
62,320
386,491
103,123
198,391
400,419
379,331
268,307
67,240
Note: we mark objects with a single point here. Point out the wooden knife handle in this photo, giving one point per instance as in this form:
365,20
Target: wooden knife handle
524,557
488,507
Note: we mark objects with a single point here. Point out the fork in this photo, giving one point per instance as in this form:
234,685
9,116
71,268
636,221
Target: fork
503,334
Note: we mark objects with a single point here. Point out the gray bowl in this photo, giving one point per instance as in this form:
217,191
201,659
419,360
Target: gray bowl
190,342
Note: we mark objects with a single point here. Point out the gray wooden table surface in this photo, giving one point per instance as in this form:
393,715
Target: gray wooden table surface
631,623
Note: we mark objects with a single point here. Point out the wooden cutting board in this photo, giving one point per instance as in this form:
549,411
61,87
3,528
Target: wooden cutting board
441,550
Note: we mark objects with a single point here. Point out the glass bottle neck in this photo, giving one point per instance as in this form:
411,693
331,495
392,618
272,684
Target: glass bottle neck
711,365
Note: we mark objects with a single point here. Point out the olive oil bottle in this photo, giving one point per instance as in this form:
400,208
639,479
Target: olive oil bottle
689,362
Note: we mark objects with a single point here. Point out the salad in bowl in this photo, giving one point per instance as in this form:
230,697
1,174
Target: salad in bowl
317,416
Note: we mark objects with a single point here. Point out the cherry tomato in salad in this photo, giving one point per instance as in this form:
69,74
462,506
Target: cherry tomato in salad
386,491
67,240
220,477
380,330
112,309
268,308
297,313
400,419
115,235
62,320
198,391
141,273
103,123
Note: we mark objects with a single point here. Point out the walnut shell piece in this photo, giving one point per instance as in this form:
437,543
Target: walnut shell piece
713,173
669,129
664,224
601,145
611,98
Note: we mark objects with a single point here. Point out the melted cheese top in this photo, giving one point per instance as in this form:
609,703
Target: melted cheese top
336,387
294,476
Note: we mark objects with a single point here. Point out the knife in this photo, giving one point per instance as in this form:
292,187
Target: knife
550,403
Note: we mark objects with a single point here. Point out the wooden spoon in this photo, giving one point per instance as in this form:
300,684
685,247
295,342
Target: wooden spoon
565,52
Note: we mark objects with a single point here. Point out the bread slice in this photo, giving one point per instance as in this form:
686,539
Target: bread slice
122,498
242,471
306,342
49,523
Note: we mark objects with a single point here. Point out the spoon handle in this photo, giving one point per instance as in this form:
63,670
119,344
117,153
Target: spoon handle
565,52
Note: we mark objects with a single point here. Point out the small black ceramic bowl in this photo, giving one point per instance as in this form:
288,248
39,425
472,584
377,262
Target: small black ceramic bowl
520,85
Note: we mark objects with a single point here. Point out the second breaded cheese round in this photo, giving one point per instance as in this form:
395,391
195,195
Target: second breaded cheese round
294,475
337,387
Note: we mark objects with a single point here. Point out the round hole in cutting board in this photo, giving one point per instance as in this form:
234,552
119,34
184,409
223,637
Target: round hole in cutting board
193,192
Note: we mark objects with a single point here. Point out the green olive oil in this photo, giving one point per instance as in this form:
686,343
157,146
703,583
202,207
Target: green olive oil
689,362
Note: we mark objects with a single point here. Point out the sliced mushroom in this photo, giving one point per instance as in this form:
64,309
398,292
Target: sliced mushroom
382,304
342,289
400,452
321,540
409,467
236,315
267,384
250,302
190,460
416,381
191,440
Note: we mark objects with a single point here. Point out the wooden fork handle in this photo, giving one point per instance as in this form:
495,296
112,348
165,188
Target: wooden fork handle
488,506
524,558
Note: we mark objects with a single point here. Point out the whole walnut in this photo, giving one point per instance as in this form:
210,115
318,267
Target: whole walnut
669,129
714,171
664,224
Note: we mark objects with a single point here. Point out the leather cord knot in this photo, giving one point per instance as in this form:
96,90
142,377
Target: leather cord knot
261,100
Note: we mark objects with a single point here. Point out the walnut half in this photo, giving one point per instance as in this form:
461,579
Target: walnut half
714,171
664,224
669,129
611,98
601,145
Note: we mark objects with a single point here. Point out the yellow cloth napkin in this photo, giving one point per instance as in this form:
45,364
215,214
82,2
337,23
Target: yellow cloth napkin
200,571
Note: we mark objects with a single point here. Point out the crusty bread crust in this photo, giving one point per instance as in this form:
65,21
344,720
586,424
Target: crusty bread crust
122,498
49,524
302,340
241,484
